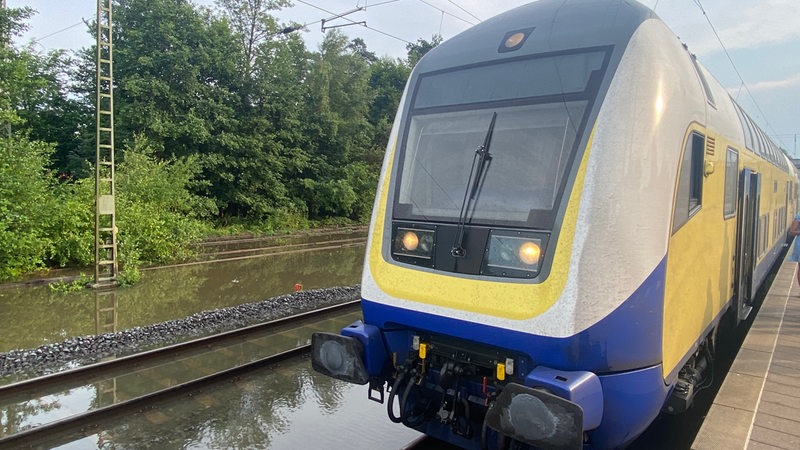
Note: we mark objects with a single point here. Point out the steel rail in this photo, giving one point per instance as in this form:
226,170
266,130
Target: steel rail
259,255
270,248
84,423
97,370
226,241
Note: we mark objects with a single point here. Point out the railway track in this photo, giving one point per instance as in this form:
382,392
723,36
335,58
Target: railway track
282,248
141,380
222,250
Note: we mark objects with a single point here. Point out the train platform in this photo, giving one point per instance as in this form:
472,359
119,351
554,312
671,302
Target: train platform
758,404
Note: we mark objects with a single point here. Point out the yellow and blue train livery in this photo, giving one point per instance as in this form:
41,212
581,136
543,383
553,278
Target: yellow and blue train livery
568,205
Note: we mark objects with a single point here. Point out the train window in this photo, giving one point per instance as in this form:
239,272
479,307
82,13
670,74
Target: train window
530,148
763,150
704,82
748,134
690,182
555,76
731,182
541,104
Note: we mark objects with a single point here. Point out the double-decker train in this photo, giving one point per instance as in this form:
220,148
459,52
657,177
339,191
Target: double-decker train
569,208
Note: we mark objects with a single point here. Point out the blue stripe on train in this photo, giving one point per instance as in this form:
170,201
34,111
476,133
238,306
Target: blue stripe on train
628,338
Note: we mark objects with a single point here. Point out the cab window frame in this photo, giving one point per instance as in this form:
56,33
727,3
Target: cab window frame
689,192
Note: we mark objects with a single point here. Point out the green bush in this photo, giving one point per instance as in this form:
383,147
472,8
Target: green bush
157,216
72,227
77,285
26,205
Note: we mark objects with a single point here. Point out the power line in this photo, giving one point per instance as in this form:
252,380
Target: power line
735,69
459,7
56,32
353,21
448,13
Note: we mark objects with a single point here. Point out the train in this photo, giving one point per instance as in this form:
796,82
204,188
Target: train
569,210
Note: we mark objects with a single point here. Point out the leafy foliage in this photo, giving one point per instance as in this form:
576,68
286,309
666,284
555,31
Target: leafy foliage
25,203
156,214
226,118
76,285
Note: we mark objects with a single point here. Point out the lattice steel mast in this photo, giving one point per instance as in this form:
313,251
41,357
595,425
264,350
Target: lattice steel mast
105,225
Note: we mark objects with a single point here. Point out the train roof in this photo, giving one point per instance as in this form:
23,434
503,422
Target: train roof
553,25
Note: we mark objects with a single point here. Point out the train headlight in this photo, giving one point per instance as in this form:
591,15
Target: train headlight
513,254
410,241
413,242
529,253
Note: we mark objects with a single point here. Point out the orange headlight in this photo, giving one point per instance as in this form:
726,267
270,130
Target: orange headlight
529,253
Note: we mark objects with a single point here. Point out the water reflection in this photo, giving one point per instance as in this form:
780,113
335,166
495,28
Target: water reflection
19,412
33,316
288,407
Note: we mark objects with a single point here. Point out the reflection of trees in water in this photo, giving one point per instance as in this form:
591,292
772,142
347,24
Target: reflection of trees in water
244,414
261,278
36,316
19,416
327,391
162,296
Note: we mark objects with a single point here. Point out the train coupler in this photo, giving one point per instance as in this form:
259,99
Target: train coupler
377,387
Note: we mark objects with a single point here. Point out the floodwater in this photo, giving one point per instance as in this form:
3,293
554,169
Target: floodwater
34,316
96,391
290,406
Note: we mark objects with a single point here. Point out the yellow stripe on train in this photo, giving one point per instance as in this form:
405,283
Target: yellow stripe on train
506,300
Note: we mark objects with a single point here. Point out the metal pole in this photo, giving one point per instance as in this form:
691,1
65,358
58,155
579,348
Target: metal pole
5,38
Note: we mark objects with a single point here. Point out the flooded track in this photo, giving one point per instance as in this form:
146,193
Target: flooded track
34,316
285,406
54,404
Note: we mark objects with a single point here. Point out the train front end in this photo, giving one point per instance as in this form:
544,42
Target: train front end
495,307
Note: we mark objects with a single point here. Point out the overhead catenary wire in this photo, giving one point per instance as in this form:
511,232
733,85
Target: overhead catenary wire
459,7
38,40
353,21
735,69
447,13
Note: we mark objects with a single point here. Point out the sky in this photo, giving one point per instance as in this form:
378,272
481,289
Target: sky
762,39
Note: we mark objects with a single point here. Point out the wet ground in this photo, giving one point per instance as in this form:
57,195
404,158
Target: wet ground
34,316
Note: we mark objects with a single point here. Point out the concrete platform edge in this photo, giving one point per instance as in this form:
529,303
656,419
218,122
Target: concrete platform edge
730,420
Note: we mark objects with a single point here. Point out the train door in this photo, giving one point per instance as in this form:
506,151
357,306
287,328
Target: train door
746,242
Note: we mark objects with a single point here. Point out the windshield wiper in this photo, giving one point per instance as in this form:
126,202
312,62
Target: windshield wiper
480,162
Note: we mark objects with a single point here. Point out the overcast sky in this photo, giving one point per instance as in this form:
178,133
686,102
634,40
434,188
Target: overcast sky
762,38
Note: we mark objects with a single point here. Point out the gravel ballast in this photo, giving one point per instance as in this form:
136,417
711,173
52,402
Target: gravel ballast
84,350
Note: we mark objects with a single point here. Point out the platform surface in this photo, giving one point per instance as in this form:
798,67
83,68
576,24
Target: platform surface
758,405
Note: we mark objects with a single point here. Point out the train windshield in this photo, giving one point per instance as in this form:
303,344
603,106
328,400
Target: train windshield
541,104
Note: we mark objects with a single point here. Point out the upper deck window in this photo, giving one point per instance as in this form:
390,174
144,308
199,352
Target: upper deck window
541,105
704,82
515,79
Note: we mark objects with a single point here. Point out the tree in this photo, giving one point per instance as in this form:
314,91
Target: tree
386,80
418,49
31,209
337,128
54,112
268,149
157,214
251,22
176,76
